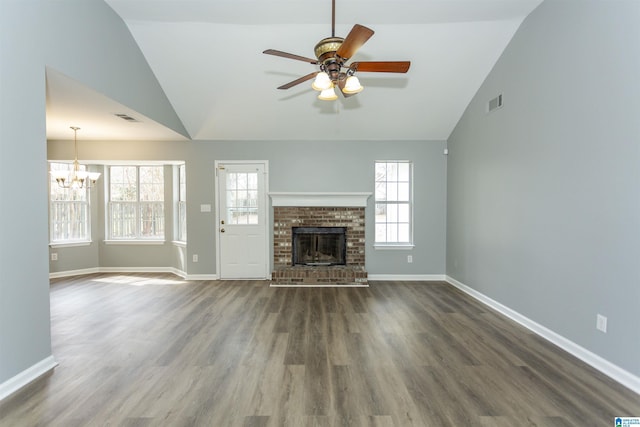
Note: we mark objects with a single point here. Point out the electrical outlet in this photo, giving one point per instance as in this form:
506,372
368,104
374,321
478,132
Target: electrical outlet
54,256
601,323
409,259
195,258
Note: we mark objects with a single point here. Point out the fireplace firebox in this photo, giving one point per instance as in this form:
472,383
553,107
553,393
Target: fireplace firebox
319,246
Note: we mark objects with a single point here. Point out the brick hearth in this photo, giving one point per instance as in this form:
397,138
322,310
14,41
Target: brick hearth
287,217
319,275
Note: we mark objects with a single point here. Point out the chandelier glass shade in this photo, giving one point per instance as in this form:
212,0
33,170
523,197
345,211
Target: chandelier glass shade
76,178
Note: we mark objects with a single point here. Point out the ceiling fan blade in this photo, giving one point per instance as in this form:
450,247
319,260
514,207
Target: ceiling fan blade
381,66
290,56
357,37
298,81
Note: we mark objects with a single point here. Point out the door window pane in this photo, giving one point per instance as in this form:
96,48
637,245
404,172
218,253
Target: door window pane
242,197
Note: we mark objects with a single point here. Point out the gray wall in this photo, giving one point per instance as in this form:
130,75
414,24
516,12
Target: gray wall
543,208
320,166
24,293
85,40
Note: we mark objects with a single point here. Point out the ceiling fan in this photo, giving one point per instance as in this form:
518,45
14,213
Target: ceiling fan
332,54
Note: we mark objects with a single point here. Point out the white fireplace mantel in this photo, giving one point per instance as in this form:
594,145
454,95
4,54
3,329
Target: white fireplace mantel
319,199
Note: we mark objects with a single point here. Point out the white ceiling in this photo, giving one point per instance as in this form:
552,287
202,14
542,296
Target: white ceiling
70,103
207,56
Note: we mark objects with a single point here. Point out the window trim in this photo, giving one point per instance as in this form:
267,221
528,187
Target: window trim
87,202
70,244
135,242
395,245
109,206
180,205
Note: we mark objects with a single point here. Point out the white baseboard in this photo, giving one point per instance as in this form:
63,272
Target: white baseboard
201,277
30,374
408,277
136,269
70,273
613,371
178,273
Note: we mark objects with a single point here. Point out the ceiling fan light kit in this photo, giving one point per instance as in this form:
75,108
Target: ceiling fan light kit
328,94
352,86
321,82
332,54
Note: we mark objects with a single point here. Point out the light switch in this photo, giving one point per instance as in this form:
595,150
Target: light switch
205,208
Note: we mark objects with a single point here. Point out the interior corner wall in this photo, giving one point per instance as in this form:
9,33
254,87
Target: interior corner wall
85,40
543,207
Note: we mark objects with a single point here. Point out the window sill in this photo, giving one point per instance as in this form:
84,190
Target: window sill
134,242
70,244
394,247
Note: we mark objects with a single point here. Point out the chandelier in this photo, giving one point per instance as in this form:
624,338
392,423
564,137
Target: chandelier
76,178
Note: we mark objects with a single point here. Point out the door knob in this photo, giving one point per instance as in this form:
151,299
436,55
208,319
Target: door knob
222,230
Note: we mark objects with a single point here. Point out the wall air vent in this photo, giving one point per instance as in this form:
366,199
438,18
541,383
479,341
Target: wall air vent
126,117
495,103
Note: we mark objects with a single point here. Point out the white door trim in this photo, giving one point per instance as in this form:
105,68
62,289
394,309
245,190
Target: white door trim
265,196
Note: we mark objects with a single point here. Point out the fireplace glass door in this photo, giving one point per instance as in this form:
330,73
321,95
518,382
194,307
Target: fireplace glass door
319,246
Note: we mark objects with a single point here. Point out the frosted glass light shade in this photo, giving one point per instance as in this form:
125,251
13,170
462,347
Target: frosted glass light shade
352,85
321,82
82,174
328,94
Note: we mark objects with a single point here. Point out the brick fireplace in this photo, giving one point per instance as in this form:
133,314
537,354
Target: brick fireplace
335,210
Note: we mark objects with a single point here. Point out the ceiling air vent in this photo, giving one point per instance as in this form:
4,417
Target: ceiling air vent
126,117
495,103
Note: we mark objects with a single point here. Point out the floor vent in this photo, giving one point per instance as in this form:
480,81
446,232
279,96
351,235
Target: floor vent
495,103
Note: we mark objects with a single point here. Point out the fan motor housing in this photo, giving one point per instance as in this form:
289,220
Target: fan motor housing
326,48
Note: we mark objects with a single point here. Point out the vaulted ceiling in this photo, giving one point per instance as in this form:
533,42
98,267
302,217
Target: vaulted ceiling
207,56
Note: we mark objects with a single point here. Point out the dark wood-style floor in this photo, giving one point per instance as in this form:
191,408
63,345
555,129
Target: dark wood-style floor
154,350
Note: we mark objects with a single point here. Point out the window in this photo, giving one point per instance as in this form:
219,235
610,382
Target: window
242,197
182,204
136,202
68,210
393,198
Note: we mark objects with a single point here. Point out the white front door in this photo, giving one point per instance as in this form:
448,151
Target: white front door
242,220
